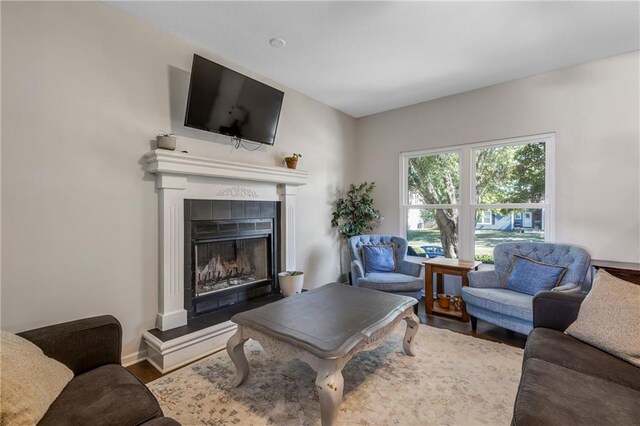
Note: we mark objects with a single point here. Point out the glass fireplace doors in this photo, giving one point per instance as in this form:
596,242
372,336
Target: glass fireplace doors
226,264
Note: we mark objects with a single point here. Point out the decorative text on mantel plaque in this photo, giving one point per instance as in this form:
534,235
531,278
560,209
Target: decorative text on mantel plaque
238,192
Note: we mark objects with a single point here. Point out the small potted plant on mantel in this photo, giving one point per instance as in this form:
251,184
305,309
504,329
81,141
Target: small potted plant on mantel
292,161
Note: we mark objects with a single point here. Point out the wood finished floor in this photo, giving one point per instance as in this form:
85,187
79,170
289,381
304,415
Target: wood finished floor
147,373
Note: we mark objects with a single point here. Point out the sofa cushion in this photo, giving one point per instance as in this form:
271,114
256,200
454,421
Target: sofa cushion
559,348
500,300
609,318
577,259
30,380
391,281
530,276
380,258
553,395
107,395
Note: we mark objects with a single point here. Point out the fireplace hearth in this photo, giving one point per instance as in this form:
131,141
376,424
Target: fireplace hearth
230,253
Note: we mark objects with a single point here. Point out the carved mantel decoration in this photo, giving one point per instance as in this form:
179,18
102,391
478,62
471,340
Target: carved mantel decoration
237,192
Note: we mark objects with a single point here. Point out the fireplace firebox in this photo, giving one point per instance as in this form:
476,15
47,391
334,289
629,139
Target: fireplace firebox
230,263
231,252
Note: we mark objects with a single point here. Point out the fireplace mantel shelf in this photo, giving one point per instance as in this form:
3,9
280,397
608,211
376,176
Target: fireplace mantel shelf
162,161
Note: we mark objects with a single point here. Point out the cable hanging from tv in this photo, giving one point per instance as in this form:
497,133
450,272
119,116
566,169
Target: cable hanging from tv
238,142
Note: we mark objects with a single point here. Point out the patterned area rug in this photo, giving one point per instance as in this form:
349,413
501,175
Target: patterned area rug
454,379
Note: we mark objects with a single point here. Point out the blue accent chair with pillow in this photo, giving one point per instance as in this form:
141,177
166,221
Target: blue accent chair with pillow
504,296
372,265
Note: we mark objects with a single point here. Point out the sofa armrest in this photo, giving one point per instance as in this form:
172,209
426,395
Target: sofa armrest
356,271
556,310
81,345
409,268
484,279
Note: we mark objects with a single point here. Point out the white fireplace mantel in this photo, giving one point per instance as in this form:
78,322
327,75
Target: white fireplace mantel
181,176
163,162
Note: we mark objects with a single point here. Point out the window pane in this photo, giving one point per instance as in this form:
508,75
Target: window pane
433,232
510,174
434,179
507,226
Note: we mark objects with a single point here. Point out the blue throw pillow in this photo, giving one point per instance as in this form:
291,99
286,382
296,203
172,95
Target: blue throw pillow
379,258
530,276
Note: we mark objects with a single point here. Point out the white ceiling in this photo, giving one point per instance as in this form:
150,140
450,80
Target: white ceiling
367,57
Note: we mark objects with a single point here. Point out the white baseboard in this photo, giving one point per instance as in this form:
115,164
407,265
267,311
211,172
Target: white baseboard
134,358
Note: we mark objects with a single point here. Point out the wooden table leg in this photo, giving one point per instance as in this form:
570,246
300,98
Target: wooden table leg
428,290
412,328
235,349
465,283
330,384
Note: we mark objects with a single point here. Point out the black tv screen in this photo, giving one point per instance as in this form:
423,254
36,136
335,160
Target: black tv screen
227,102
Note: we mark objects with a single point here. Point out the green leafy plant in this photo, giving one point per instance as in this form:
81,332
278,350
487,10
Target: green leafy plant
354,214
484,258
418,250
292,157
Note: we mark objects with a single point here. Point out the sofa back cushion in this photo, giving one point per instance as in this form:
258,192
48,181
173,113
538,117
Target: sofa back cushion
30,380
609,318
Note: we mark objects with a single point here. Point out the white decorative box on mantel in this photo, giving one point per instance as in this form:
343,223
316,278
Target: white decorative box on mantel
181,176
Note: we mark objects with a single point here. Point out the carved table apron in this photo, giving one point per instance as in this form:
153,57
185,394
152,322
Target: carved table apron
323,327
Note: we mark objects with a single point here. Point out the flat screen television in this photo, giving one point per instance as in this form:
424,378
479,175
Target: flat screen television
227,102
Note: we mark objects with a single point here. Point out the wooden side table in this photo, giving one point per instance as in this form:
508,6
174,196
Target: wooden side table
443,266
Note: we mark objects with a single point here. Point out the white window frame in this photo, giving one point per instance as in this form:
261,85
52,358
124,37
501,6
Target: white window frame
484,220
467,203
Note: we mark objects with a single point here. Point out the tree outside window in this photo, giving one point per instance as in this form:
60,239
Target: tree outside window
436,179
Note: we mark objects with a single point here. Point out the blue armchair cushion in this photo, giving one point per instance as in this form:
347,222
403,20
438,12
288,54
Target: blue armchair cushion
379,258
530,276
391,281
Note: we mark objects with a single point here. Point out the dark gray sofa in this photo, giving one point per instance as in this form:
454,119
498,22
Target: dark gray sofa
102,392
567,382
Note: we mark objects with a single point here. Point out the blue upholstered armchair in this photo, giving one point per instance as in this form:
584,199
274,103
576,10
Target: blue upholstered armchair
486,298
405,279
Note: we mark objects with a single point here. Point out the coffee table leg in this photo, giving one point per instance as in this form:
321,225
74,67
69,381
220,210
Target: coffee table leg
330,384
412,328
235,349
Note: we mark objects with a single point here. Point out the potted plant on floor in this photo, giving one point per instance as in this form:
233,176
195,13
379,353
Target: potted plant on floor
354,215
292,161
291,282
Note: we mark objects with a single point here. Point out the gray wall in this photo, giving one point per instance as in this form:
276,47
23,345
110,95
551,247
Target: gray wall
85,88
593,108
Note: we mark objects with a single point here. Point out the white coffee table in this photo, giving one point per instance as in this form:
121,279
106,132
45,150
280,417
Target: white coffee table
324,327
